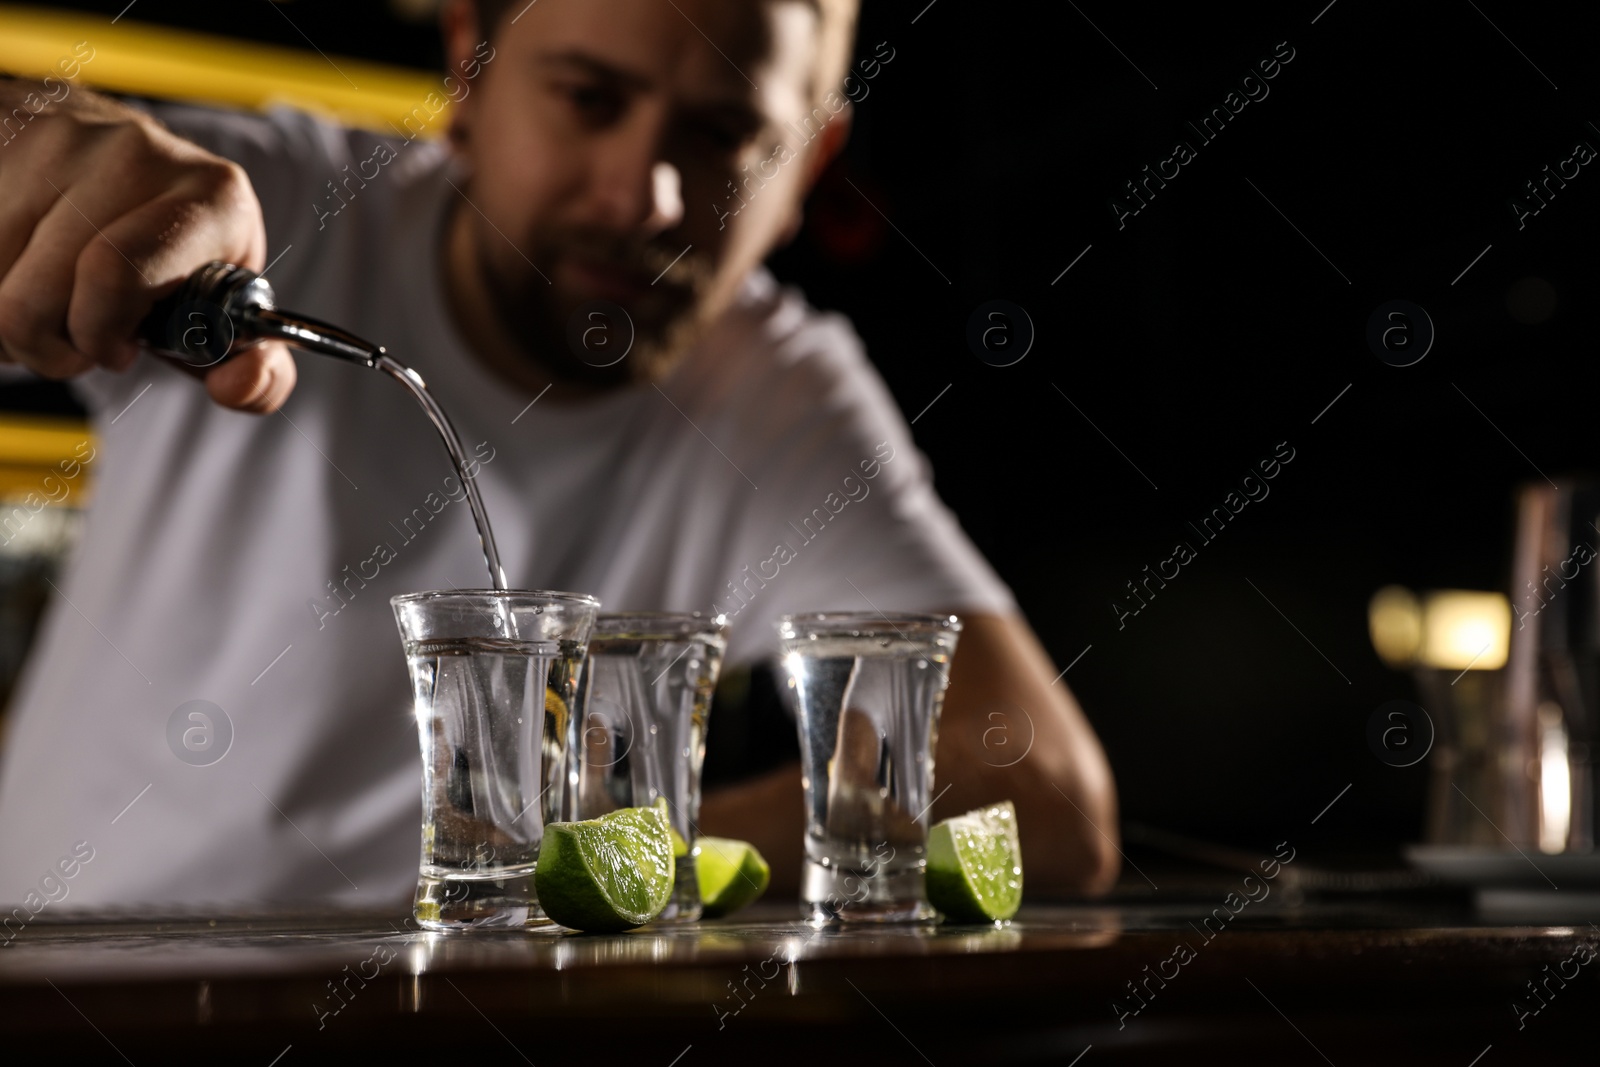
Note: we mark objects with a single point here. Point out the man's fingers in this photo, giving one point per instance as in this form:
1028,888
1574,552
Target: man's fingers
148,251
36,290
20,213
30,335
103,219
101,214
257,381
58,217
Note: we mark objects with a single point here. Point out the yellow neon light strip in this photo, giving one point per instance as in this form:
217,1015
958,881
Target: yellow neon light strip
169,64
33,447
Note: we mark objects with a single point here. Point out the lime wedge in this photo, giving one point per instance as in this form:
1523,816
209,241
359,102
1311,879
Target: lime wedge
975,865
607,874
680,847
731,874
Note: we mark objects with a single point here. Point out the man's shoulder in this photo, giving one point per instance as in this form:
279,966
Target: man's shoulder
786,390
774,352
798,336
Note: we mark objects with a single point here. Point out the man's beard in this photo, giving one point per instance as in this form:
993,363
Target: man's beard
587,342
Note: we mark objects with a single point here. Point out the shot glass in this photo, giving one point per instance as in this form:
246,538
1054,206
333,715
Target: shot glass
494,675
640,731
866,690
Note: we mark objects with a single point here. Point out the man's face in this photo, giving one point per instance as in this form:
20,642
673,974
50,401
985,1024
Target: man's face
606,141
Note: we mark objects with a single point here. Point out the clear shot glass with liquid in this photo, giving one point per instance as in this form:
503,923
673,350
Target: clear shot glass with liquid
866,690
640,732
494,677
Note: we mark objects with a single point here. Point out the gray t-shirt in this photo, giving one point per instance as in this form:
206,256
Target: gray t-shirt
248,561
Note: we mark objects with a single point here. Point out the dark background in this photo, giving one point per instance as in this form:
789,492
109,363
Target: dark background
1198,338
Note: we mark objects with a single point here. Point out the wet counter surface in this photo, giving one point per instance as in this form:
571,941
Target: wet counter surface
1397,981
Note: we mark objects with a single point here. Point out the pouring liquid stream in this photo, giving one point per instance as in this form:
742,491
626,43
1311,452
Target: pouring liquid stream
413,383
222,309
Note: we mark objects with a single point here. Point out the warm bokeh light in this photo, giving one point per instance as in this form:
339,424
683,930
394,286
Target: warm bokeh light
1464,630
1394,620
1452,629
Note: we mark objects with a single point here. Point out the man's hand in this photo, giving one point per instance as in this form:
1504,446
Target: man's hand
1006,733
103,212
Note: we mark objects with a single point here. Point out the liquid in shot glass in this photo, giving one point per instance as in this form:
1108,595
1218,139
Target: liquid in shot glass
639,737
494,677
867,690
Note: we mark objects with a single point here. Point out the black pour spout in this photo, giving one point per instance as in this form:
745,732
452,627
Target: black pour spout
221,310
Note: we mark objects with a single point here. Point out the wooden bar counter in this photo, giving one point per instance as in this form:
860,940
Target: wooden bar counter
1406,979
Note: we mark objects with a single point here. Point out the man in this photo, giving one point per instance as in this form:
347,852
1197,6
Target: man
647,154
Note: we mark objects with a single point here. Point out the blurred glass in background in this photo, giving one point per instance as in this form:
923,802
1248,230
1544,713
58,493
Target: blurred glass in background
1513,684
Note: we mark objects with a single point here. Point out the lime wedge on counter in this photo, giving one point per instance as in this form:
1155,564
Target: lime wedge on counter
607,874
732,875
680,847
975,865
